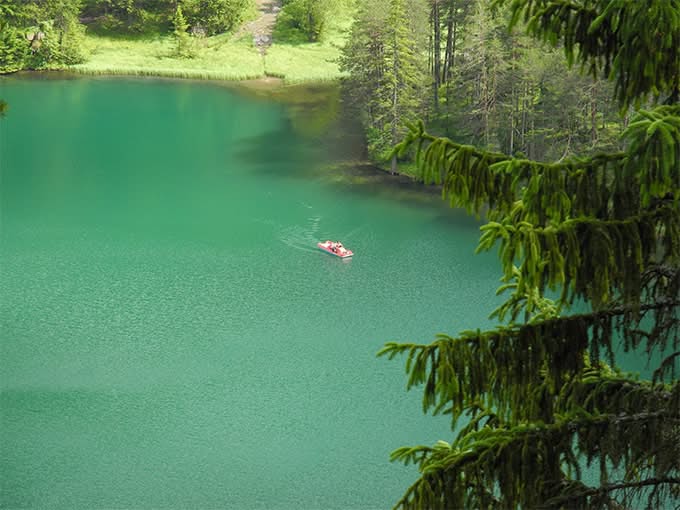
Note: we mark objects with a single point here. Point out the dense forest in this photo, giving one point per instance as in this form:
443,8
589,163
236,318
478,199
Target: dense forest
454,64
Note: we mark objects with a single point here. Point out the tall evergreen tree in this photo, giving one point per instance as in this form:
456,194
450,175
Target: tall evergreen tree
485,68
454,15
384,59
403,80
180,26
542,392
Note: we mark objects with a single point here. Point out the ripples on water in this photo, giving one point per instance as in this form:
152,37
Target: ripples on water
171,335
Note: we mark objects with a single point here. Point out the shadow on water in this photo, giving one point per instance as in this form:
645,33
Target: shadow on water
315,122
277,145
323,140
305,159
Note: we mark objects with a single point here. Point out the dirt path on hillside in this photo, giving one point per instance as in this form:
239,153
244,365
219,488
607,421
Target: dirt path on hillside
261,28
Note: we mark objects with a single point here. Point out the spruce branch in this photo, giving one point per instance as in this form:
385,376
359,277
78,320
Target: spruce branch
478,368
574,492
531,452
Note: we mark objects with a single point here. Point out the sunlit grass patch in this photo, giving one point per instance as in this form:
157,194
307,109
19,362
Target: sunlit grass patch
311,62
297,62
212,58
301,63
222,57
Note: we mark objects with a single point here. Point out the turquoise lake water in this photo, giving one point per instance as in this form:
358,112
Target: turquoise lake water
170,336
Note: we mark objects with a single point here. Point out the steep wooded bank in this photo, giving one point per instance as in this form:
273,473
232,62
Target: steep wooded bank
454,63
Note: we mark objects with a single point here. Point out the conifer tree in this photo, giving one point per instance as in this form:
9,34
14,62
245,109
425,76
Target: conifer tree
13,48
181,26
384,59
403,80
542,394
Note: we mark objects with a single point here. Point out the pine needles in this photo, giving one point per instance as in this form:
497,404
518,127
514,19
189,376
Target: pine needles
541,391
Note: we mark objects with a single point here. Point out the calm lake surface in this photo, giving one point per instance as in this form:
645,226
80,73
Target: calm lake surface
170,336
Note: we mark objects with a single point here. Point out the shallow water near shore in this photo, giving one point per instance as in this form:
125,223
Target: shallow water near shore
170,335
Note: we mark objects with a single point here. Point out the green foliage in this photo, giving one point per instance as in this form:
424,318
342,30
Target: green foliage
55,45
562,205
309,20
501,90
302,20
13,49
7,9
386,77
38,35
206,17
180,25
638,43
295,62
215,16
602,231
129,16
462,475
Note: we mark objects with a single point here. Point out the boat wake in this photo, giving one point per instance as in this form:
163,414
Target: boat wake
352,233
303,238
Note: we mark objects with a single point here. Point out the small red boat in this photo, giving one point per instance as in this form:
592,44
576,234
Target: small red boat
335,248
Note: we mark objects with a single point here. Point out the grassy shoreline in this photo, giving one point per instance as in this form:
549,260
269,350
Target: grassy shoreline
221,57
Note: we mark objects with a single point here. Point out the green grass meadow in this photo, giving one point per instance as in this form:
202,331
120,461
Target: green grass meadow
314,62
216,58
222,57
297,62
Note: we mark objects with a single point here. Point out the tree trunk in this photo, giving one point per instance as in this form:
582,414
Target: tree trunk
436,71
395,104
593,114
395,121
524,117
514,103
451,26
513,112
484,87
